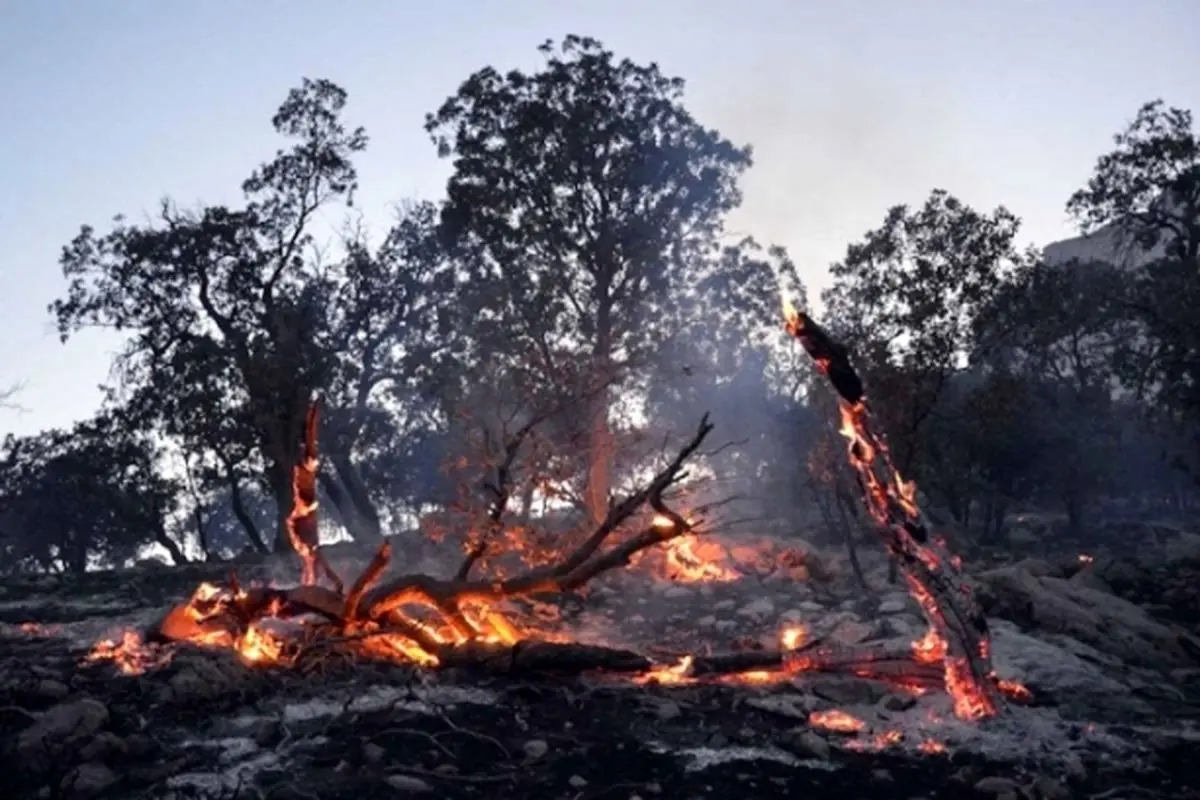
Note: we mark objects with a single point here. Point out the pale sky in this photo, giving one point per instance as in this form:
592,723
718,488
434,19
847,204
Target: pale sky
851,106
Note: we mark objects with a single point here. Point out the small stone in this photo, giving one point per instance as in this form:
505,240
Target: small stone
757,609
882,776
996,786
1075,768
810,606
725,626
88,780
139,745
807,743
577,782
678,593
1048,788
899,702
724,605
535,749
892,606
373,753
52,690
706,622
407,783
668,710
104,746
852,632
60,732
846,692
267,732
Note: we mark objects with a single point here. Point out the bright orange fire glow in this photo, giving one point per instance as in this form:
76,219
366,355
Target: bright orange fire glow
793,636
130,655
837,721
690,560
679,672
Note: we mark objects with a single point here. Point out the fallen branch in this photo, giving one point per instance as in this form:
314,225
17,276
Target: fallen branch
458,634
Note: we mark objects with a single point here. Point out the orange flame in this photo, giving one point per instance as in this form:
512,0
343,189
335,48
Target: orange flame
837,721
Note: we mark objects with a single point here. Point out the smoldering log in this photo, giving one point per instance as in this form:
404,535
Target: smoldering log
534,656
732,663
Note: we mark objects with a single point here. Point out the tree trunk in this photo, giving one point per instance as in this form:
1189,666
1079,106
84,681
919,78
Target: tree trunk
362,527
371,529
845,513
600,457
243,516
176,553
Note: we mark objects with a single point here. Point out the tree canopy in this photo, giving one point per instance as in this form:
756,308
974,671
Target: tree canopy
576,293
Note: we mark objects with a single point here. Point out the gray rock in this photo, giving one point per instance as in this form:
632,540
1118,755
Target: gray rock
535,749
577,781
88,780
757,609
792,704
51,689
806,743
668,710
847,692
997,786
852,632
407,783
1048,788
899,702
102,747
373,753
60,733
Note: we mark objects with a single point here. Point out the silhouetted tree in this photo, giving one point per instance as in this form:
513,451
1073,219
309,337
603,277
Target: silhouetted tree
235,324
906,299
589,207
1146,192
91,494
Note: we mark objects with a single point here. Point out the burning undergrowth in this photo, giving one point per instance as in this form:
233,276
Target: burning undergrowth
592,659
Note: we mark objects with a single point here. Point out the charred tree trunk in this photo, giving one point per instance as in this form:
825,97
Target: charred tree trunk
163,538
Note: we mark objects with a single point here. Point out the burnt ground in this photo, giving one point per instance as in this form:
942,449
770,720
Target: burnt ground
207,726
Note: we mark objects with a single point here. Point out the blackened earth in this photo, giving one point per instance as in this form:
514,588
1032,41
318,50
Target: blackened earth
207,726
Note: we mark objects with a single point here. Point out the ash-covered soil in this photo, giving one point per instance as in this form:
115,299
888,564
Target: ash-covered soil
1108,720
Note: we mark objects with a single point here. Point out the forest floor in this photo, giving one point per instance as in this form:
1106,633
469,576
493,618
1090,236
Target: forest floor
1106,721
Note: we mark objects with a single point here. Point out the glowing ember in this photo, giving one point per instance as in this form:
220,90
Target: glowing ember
130,655
836,721
688,560
793,636
257,646
679,672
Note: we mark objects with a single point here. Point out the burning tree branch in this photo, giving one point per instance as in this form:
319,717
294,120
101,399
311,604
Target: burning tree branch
430,620
958,628
302,526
